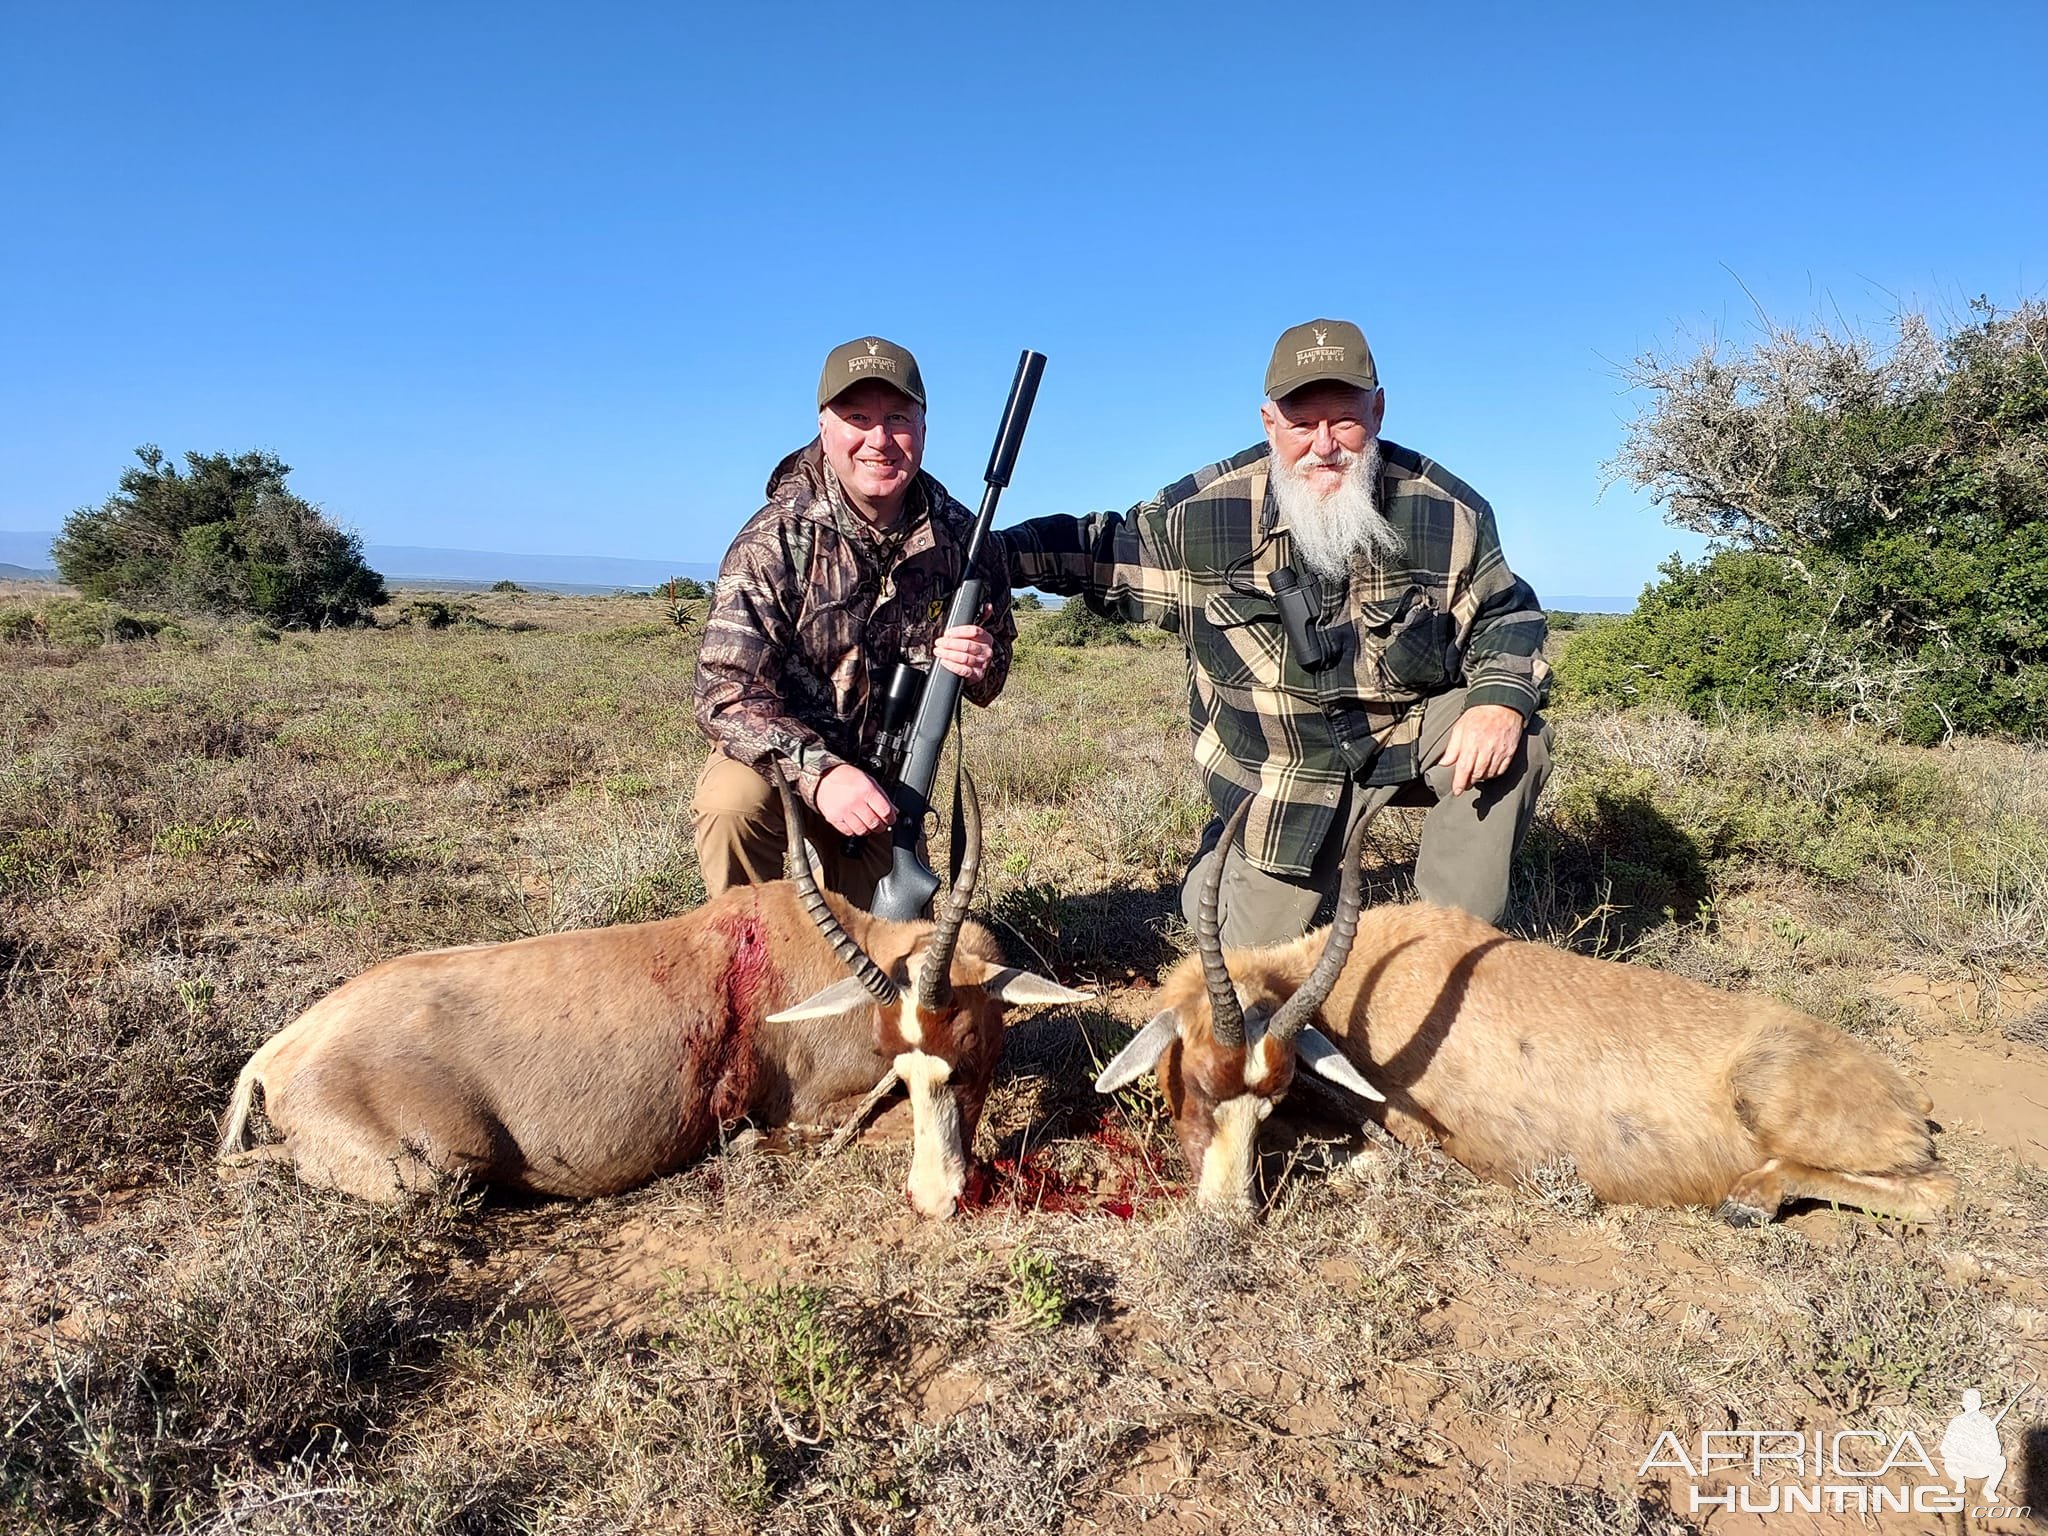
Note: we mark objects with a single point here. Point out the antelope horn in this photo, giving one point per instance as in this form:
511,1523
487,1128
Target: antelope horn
1226,1017
851,955
1311,994
935,978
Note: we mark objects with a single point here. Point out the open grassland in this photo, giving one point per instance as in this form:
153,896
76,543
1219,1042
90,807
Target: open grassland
203,831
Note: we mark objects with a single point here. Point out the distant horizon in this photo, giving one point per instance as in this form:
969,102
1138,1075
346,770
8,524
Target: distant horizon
600,572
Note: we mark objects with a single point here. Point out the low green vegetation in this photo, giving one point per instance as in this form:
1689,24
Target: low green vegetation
1040,1297
83,623
1074,623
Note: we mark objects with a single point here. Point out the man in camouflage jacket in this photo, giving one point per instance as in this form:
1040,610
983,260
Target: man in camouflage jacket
847,570
1409,666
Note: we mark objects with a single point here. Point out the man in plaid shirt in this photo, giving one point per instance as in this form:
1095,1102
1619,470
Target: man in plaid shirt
1353,635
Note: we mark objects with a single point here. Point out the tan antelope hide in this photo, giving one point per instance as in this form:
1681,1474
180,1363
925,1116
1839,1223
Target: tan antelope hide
1513,1055
587,1062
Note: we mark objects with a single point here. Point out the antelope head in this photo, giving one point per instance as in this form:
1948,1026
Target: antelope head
936,1012
1225,1049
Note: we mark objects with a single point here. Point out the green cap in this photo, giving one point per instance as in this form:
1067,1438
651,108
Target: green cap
1320,351
869,357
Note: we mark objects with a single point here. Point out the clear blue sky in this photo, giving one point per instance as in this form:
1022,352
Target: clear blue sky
555,278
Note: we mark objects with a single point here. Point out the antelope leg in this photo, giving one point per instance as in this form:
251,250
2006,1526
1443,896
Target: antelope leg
859,1119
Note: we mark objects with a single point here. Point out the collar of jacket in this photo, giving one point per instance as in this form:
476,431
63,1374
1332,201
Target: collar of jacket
804,483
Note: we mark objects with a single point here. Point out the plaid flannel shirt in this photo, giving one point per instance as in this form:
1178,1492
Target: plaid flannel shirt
814,608
1197,561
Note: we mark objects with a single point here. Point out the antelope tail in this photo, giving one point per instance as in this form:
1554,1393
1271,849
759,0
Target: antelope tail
237,1128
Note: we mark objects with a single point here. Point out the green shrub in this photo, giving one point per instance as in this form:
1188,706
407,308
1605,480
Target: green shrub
506,586
1879,551
1728,633
83,624
1038,1291
226,536
796,1367
438,613
1076,624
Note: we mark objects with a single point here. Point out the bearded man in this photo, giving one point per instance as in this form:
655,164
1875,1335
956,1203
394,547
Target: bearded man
1353,638
848,570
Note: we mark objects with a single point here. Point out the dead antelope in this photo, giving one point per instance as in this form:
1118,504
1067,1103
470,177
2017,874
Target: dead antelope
587,1062
1512,1055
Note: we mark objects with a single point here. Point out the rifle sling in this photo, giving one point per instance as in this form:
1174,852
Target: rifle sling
954,849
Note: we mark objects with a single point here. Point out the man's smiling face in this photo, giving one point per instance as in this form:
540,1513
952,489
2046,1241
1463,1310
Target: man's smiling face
873,435
1319,430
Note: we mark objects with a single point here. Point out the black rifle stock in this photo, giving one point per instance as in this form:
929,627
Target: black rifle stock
907,889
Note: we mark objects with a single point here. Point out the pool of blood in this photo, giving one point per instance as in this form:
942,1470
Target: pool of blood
1127,1183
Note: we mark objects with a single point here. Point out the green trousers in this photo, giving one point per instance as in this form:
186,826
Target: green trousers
1468,842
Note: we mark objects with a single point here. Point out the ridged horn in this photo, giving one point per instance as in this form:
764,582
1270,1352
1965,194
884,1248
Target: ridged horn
1226,1017
851,955
935,977
1289,1017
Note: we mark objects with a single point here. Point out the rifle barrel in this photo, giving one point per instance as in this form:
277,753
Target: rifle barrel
905,890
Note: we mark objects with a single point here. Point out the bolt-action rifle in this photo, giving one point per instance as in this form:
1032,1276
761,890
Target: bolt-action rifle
907,889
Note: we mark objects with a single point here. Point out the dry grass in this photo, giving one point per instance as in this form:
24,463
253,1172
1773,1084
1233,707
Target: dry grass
202,833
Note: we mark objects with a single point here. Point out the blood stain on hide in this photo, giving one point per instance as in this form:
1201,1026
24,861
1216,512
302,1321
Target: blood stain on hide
1032,1182
722,1050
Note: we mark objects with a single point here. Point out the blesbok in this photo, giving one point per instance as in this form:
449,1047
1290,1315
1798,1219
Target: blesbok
1511,1055
587,1062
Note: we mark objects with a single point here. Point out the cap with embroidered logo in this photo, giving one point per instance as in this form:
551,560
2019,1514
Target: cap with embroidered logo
869,357
1322,351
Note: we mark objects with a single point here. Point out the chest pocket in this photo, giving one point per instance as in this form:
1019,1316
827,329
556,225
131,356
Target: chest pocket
1408,642
1237,640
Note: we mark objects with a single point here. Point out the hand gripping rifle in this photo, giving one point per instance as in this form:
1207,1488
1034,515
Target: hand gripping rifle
907,889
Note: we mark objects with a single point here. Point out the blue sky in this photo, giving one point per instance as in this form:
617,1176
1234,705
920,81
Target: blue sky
546,278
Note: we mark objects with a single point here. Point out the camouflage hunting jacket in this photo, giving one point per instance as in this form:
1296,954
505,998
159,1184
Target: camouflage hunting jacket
1197,561
813,609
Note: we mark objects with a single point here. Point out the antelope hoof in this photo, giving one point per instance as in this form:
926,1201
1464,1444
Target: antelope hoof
1737,1214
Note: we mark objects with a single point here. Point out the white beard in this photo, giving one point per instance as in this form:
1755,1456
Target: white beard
1332,531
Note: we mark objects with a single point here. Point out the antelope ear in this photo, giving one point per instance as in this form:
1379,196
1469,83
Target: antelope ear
1142,1054
1010,985
1325,1060
843,996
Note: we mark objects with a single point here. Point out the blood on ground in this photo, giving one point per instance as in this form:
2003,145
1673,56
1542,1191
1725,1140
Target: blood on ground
1035,1182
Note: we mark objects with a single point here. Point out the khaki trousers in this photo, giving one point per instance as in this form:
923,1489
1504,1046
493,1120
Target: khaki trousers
737,821
1468,843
